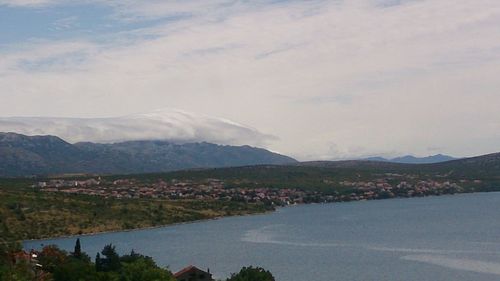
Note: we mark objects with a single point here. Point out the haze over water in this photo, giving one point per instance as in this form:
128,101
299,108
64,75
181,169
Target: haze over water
434,238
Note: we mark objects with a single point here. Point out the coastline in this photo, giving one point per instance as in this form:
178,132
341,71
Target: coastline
150,227
277,208
170,239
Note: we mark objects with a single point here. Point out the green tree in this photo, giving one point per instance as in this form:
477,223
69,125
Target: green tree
98,262
111,262
252,274
144,269
51,257
8,247
75,269
77,253
18,272
133,256
9,269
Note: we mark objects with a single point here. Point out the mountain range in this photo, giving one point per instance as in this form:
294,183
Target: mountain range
22,155
325,175
409,159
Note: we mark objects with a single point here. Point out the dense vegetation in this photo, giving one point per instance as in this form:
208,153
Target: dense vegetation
54,264
28,214
252,274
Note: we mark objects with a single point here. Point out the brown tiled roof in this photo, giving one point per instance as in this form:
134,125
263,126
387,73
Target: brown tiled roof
184,270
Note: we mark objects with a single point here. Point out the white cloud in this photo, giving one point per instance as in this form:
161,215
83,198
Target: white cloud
166,124
144,10
371,77
65,23
25,3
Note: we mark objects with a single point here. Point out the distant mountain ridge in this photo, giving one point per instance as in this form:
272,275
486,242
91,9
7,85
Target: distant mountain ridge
480,173
480,167
22,155
409,159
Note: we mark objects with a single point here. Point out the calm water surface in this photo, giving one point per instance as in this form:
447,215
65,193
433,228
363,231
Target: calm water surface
434,238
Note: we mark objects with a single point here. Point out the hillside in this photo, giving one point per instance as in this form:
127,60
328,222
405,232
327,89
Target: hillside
479,166
22,155
325,175
409,159
210,192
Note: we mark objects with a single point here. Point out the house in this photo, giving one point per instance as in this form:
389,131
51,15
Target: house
192,273
30,262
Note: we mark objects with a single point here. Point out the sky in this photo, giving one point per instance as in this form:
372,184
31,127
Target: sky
311,79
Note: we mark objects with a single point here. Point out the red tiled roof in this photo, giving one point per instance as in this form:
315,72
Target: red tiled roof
186,269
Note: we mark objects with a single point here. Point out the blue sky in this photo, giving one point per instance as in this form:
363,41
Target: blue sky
329,79
93,21
20,24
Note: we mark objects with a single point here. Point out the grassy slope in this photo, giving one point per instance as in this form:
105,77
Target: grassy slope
25,214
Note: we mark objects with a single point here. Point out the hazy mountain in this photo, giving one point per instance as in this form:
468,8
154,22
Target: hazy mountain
378,159
324,175
22,155
480,167
409,159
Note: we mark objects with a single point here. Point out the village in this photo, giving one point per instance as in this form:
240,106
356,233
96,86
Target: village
215,189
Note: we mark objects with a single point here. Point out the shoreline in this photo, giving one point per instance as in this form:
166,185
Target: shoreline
147,227
277,208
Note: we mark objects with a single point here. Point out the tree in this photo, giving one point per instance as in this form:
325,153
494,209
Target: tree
17,272
98,263
9,270
75,269
51,257
252,274
77,253
111,262
144,269
6,249
133,256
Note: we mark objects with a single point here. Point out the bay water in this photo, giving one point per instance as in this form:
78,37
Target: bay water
433,238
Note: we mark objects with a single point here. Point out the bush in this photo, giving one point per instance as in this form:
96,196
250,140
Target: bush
252,274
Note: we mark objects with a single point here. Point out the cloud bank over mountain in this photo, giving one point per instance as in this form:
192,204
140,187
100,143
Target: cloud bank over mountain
332,79
166,124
